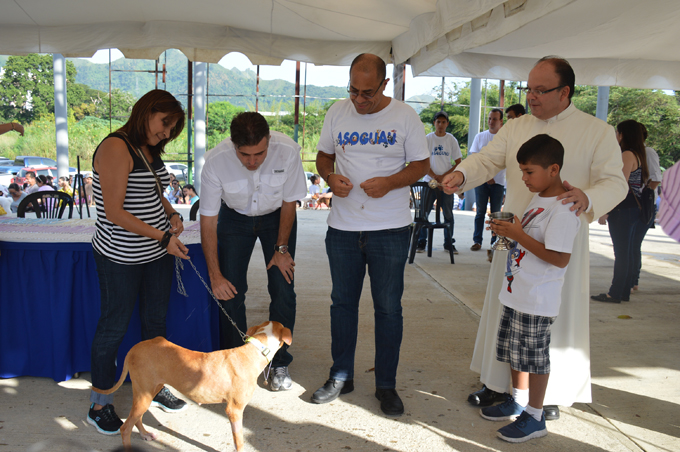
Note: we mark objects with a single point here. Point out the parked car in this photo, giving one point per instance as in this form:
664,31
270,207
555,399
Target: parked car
20,177
6,177
30,161
4,161
178,169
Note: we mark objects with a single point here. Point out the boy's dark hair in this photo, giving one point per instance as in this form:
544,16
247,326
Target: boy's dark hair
314,178
248,129
541,150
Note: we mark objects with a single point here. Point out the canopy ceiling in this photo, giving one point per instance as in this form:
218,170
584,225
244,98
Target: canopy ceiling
609,42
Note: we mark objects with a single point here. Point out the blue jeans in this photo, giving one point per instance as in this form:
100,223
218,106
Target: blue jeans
120,286
349,253
624,226
486,193
236,236
446,203
640,234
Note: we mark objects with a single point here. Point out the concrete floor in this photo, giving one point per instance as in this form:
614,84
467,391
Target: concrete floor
635,368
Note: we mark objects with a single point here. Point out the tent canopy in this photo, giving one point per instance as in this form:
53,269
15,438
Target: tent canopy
609,42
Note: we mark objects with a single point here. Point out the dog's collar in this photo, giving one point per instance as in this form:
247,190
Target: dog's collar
261,347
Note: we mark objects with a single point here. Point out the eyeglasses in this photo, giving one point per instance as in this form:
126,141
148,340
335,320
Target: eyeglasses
366,95
538,92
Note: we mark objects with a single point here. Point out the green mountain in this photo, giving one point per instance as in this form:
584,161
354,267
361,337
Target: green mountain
238,87
420,102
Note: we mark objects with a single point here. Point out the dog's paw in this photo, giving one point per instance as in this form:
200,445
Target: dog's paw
148,436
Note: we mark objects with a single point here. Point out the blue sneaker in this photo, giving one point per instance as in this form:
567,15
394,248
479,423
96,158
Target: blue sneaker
506,411
523,429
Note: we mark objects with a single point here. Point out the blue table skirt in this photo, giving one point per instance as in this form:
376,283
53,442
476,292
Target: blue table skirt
50,305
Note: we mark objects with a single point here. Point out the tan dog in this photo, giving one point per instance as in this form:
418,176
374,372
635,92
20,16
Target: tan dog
225,376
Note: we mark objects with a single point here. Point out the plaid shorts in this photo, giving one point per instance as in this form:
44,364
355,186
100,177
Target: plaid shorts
524,341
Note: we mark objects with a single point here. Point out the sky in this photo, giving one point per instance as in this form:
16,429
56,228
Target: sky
316,75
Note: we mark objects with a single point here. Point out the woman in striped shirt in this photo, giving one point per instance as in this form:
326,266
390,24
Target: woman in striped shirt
135,239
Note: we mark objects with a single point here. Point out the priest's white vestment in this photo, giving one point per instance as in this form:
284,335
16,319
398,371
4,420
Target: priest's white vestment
593,163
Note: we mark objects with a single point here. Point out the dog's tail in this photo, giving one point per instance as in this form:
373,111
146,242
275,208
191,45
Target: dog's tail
123,374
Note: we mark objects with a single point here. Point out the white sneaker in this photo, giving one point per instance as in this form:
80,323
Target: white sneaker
279,379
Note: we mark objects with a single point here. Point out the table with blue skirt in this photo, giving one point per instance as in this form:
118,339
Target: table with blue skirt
50,299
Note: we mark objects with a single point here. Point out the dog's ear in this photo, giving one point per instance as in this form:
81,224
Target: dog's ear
252,330
286,336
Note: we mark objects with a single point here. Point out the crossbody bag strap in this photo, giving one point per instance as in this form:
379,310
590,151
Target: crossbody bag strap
140,153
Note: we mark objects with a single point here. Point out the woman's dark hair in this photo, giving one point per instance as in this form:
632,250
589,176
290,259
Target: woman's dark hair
189,187
42,179
248,129
632,140
14,186
155,101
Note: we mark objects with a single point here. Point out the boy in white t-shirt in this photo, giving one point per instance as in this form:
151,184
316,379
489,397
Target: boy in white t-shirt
532,290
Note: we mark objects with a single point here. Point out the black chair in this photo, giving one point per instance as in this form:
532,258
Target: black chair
419,191
46,204
193,213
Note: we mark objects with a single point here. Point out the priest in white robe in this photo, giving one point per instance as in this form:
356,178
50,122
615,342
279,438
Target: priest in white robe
593,175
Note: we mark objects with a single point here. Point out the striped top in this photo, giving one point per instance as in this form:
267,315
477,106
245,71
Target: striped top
142,201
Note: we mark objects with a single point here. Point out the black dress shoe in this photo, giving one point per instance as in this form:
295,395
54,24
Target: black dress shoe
605,298
486,397
390,403
331,390
552,412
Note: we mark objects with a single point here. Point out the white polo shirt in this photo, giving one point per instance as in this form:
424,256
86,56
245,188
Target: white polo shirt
367,146
252,193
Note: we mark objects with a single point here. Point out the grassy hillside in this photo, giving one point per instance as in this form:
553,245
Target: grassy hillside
225,81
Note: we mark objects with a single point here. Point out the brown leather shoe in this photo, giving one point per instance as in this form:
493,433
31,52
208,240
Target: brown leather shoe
476,247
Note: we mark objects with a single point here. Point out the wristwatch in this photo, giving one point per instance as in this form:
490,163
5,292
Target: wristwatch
181,218
283,249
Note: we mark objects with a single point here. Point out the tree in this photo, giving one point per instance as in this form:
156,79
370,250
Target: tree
220,115
457,105
27,87
659,112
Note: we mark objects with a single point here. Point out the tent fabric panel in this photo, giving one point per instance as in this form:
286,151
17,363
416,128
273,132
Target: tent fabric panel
596,72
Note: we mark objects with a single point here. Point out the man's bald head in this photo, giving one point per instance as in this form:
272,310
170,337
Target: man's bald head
563,70
367,62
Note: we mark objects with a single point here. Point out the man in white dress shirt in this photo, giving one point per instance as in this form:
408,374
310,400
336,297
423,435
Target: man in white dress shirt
250,185
493,190
592,162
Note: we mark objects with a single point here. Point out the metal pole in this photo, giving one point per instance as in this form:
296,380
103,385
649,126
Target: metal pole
110,103
501,101
442,104
257,89
304,109
61,124
473,127
200,108
190,91
602,103
297,100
